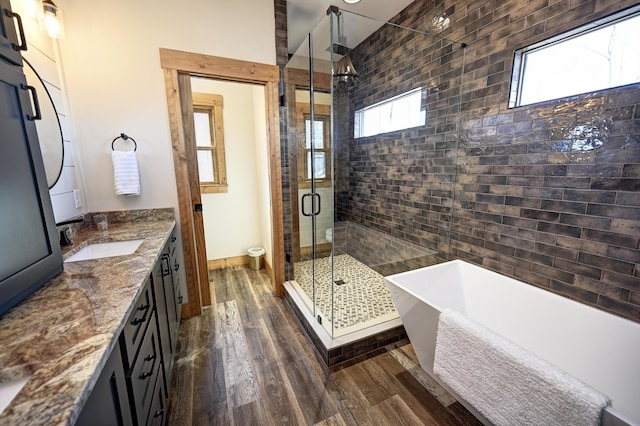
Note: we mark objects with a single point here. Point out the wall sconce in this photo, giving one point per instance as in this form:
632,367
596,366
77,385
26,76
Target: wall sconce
51,20
33,8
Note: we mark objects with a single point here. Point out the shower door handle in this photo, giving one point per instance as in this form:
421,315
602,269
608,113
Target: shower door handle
315,206
304,213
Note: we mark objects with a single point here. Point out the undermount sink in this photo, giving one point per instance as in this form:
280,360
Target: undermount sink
100,250
8,391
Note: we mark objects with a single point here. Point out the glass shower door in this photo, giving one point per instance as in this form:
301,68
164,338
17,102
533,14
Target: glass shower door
309,109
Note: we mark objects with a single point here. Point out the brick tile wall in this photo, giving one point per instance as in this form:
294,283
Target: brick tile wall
524,191
548,194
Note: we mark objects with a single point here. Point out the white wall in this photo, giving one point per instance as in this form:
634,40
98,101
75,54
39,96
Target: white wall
42,54
240,218
115,83
262,169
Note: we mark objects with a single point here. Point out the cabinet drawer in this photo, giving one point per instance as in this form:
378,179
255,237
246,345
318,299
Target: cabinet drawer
144,372
137,323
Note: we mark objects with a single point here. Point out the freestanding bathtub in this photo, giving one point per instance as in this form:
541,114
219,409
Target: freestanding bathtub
601,349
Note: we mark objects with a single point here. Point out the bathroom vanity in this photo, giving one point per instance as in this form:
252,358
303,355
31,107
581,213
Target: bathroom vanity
96,344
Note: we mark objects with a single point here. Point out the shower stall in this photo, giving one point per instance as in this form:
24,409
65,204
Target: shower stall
368,115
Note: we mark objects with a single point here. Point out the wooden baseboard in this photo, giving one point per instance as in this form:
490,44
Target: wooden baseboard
227,262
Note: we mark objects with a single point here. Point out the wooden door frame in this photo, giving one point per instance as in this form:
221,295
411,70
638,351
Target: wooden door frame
178,67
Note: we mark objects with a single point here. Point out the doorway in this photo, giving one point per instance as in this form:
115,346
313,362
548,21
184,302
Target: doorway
179,67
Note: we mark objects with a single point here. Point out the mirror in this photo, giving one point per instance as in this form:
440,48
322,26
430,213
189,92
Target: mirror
49,129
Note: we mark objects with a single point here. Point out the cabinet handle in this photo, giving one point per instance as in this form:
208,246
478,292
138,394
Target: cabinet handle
145,308
180,299
144,376
137,321
150,357
167,271
175,268
23,39
159,413
36,103
173,239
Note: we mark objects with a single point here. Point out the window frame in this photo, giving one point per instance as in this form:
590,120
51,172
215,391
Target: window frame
517,76
321,113
212,104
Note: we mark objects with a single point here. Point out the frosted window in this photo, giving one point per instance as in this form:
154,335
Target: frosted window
318,134
205,166
202,124
318,164
600,56
401,112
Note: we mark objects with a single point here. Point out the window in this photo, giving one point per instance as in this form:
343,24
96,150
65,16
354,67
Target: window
601,55
321,143
400,112
207,120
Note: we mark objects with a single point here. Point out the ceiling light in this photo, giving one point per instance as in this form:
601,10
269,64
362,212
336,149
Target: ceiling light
351,1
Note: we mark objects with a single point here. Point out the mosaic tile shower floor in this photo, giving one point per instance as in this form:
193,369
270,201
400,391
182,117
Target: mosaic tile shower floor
362,300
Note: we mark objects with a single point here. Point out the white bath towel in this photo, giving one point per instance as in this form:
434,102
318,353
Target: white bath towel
126,176
507,384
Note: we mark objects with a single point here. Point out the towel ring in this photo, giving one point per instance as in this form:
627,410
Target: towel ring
124,138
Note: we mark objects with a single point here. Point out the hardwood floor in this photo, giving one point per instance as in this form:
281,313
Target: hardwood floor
246,361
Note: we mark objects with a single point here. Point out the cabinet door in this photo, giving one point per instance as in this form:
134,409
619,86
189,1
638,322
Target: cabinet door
10,45
25,205
172,315
156,415
175,278
108,403
163,320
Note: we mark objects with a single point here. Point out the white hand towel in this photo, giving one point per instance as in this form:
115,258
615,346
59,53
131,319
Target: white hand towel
126,177
506,383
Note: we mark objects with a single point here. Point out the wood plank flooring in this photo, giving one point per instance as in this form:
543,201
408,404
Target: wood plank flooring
246,361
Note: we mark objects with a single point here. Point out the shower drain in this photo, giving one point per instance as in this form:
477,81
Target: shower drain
339,282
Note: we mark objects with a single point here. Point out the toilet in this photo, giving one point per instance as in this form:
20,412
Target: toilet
328,235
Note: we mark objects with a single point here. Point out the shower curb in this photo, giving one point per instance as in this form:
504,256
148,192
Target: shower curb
334,356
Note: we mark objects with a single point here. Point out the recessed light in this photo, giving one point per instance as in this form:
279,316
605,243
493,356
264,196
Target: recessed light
351,1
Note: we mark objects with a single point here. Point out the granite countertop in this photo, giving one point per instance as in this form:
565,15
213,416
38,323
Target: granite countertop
63,334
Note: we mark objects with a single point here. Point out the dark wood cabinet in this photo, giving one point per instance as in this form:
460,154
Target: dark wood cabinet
146,349
164,278
108,403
